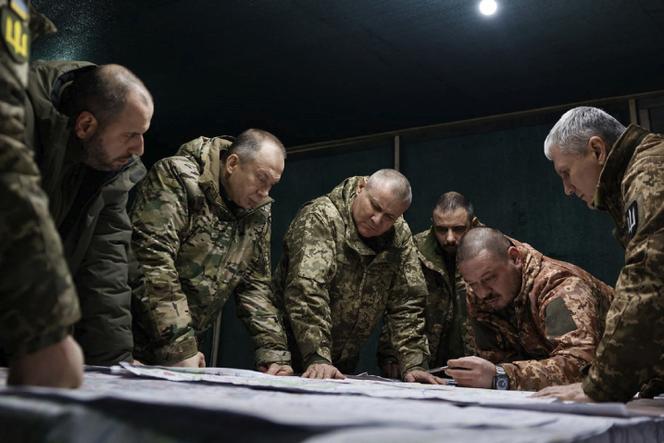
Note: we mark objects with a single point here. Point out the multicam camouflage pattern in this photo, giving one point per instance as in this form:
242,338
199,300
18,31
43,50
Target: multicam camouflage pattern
195,251
38,302
448,330
551,329
630,357
335,287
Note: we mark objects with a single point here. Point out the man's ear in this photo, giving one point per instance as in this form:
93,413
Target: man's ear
514,255
362,184
86,125
599,148
231,163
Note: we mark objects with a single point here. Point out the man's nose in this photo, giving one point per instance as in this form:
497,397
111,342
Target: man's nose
138,148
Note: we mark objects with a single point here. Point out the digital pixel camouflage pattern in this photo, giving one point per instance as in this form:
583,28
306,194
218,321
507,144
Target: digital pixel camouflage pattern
448,330
194,251
549,332
335,287
38,302
630,357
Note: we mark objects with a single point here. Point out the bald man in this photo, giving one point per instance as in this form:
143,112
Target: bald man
202,224
537,321
86,125
348,260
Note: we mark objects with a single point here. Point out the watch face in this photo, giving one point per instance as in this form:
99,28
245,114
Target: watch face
502,383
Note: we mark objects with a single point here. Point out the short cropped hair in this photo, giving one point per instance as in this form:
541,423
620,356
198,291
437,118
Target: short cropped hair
481,239
398,183
102,90
451,201
249,143
572,132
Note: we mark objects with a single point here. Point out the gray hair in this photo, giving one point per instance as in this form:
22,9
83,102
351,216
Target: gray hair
482,239
398,183
572,132
247,145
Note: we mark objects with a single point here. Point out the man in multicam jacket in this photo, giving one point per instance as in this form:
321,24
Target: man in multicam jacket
348,260
537,321
447,328
620,170
202,223
38,302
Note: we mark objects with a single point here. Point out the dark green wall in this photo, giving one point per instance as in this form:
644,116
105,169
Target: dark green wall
500,167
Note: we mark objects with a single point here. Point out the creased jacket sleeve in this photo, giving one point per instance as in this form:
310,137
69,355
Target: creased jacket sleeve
405,317
104,331
38,302
569,315
159,217
630,352
257,308
311,266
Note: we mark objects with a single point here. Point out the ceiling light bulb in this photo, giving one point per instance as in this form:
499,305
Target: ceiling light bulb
488,7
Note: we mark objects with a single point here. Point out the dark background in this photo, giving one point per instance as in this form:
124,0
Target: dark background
320,71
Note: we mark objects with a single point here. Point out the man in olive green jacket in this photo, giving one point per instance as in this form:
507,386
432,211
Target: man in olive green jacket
86,124
202,223
38,302
447,327
349,259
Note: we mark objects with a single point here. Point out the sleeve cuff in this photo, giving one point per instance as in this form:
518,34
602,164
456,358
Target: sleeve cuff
34,344
269,356
172,353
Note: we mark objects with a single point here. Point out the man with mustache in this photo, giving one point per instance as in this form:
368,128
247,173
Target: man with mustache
447,328
86,125
536,320
349,260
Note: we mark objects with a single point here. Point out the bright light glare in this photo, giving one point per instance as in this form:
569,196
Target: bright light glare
488,7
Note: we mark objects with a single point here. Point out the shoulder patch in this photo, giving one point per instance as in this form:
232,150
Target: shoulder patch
15,30
632,219
558,319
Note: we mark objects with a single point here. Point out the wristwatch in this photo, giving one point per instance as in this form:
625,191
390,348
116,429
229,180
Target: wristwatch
501,381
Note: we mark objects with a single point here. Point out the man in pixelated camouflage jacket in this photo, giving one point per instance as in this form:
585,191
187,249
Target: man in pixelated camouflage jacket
537,318
38,302
349,259
620,170
447,327
202,223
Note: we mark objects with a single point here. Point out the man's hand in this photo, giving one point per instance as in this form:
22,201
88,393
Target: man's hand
322,370
573,392
473,372
419,376
391,369
197,361
59,365
276,369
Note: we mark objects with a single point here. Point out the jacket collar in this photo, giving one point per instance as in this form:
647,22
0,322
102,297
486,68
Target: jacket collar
610,179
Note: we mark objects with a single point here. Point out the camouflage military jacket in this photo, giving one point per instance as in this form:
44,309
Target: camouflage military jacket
90,210
447,327
335,288
38,302
551,329
194,251
631,188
